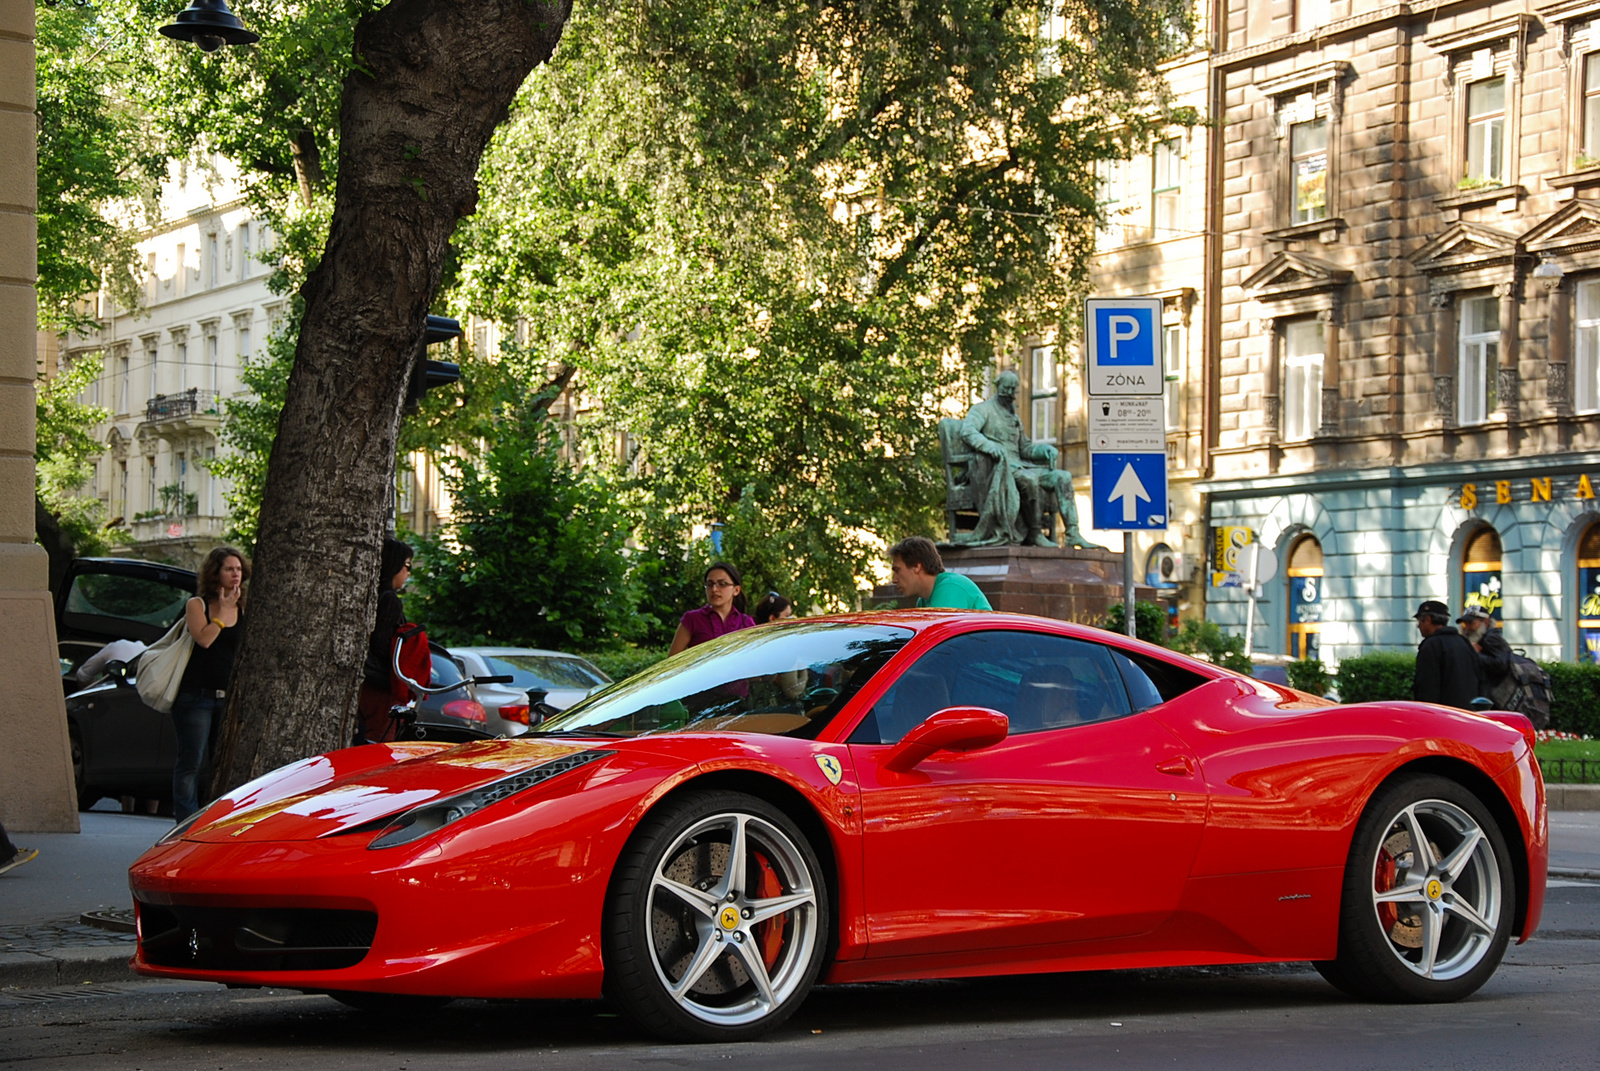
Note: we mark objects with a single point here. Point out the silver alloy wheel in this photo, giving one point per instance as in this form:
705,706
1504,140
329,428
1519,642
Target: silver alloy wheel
1436,889
733,919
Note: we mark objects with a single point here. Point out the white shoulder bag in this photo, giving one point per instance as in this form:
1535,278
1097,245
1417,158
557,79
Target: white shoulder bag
162,664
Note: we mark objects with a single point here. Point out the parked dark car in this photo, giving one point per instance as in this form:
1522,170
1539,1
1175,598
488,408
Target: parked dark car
121,747
105,599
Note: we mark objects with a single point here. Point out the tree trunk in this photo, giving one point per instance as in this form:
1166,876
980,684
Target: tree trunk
433,80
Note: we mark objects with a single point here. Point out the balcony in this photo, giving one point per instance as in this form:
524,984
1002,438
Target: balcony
191,410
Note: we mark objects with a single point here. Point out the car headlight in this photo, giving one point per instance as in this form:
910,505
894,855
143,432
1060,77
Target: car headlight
420,821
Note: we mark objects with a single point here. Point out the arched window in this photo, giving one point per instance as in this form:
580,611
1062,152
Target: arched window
1304,577
1589,595
1481,576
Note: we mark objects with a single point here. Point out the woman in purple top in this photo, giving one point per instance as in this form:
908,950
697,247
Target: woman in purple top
722,613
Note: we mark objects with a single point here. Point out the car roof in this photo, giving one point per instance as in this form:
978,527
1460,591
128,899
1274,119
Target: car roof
496,652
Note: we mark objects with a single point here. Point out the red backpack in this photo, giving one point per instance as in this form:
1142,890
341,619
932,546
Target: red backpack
416,661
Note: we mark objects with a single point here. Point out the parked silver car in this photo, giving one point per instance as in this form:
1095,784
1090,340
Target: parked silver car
550,677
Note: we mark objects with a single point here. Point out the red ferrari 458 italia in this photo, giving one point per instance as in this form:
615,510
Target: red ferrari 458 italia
906,795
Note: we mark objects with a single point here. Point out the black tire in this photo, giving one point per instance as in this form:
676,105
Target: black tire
654,937
87,795
1411,931
395,1004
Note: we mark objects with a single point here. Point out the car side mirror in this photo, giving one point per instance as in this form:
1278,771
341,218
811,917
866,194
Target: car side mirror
950,729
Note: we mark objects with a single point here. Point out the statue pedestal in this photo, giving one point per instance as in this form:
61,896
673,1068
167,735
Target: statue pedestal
1068,585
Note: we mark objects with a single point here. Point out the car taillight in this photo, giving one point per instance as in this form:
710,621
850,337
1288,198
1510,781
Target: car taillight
517,712
466,710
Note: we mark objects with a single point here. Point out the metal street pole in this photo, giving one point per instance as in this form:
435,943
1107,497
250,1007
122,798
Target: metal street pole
1127,585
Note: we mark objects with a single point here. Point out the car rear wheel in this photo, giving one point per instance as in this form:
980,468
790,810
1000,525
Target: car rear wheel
717,919
1428,896
87,796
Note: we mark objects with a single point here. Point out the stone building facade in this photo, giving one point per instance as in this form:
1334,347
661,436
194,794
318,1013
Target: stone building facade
1406,378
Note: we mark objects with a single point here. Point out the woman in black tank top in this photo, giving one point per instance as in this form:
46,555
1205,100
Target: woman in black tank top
213,618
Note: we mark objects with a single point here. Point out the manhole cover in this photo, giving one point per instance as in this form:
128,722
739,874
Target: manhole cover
118,919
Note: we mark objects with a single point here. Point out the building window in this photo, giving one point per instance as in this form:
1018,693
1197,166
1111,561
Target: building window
1302,378
211,358
1308,152
1589,144
181,350
1481,574
1478,359
1167,188
1586,351
1046,389
1305,597
150,355
1486,131
1589,595
1110,182
1172,356
123,378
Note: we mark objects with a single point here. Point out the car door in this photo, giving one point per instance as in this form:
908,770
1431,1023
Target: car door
1080,825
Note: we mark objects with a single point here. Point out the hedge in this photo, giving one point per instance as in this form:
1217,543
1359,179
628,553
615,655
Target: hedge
1575,688
622,664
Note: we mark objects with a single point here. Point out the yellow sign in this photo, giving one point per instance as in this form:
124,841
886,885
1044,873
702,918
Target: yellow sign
1225,564
830,768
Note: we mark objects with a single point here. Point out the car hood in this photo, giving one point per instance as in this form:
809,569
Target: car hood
344,802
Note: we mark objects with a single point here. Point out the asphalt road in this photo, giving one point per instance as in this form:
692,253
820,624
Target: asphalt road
1538,1012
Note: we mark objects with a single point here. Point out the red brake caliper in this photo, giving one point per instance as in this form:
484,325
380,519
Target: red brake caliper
1383,881
770,932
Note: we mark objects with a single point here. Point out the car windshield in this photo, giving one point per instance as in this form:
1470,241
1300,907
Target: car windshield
784,680
544,671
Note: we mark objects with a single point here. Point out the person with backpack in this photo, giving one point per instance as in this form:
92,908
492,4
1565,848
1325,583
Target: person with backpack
1494,654
378,695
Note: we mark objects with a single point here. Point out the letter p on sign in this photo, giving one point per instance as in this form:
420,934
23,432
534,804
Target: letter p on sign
1123,328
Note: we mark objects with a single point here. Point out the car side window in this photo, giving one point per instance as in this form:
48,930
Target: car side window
1151,681
1037,680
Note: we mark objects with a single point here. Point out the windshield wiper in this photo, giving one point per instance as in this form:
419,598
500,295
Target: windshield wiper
573,732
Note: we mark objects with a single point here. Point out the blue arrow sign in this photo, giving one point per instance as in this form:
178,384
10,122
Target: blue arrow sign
1129,491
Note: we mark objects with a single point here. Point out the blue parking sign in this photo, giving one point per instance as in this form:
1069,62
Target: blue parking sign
1124,342
1129,491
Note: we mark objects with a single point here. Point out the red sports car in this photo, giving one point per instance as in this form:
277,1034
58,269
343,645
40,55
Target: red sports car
906,795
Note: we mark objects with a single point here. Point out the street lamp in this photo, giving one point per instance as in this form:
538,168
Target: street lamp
1548,270
209,24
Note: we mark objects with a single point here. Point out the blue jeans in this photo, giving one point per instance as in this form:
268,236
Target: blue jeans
194,719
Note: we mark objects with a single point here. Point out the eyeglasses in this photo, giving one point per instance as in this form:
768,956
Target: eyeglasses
721,584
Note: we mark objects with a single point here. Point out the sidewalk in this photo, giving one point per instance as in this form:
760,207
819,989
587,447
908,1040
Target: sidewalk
44,942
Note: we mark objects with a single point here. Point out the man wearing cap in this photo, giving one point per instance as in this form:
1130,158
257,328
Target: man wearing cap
1447,666
1494,654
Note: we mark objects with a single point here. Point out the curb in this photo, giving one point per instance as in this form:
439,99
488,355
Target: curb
67,966
1559,797
1574,875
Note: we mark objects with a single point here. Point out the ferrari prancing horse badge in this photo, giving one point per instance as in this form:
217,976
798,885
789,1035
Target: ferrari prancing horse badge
830,768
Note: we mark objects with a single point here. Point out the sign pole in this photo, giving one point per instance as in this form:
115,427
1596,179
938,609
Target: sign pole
1254,551
1127,585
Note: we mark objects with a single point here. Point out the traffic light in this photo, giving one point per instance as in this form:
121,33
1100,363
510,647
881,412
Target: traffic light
427,374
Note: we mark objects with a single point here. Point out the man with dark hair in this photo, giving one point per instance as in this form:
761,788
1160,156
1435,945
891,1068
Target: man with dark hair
1447,666
918,570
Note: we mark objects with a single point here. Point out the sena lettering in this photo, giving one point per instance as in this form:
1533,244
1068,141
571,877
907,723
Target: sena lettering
1533,489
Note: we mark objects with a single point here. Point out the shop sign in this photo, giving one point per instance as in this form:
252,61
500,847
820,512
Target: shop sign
1227,563
1533,489
1588,610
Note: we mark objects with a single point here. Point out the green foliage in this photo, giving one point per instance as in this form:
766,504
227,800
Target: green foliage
65,449
1309,675
1149,621
94,149
1205,639
1574,697
769,271
1377,676
624,662
535,554
250,425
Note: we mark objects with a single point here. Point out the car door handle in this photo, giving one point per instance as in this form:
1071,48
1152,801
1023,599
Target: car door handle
1178,766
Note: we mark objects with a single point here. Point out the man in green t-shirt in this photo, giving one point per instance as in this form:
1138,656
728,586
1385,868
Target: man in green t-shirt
918,570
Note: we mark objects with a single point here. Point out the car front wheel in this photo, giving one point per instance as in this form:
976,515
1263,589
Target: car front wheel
1428,897
717,919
